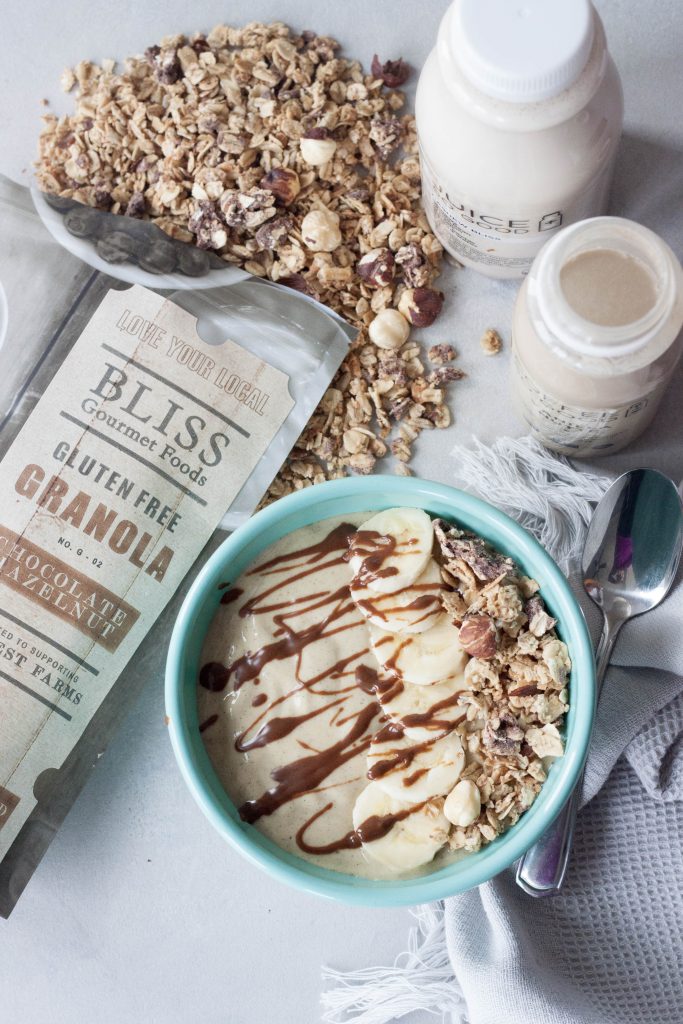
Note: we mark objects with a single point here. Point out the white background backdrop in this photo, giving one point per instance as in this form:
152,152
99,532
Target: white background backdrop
139,914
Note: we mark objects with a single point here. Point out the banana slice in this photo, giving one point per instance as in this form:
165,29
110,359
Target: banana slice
416,771
421,658
425,711
412,610
415,836
391,549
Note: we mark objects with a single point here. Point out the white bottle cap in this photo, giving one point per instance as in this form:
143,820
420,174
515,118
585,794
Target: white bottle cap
522,51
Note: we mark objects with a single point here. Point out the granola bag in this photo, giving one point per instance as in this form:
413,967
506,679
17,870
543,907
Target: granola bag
139,409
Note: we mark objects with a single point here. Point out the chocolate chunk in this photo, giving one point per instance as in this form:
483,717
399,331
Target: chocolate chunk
503,734
167,68
208,226
386,134
273,232
296,281
394,73
485,563
414,265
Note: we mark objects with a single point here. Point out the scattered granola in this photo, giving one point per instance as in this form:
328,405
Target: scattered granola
439,355
491,342
518,676
269,149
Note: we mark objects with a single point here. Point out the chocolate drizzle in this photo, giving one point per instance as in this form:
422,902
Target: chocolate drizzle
298,622
388,687
389,731
276,728
373,549
371,682
373,828
336,540
290,643
250,665
211,720
429,719
214,676
398,758
380,606
307,773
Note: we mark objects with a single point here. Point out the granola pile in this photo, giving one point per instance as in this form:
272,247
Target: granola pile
268,148
518,675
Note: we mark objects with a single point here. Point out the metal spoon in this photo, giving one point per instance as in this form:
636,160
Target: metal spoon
630,558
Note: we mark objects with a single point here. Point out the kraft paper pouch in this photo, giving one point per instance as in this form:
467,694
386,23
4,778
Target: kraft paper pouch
132,422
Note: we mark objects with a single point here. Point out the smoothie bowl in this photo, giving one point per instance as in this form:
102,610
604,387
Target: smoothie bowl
380,690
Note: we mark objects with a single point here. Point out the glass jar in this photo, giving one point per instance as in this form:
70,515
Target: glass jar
596,335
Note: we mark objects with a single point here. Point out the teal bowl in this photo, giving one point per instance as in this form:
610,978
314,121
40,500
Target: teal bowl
339,497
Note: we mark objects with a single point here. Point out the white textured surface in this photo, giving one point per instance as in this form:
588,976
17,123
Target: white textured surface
139,912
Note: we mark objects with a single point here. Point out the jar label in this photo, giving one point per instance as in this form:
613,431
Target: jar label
572,429
483,238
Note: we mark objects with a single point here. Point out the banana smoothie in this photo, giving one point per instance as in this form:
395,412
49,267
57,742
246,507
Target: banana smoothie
380,692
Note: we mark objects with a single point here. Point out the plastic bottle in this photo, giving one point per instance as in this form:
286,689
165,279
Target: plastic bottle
519,111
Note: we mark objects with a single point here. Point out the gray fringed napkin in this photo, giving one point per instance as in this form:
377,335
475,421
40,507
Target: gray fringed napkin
609,949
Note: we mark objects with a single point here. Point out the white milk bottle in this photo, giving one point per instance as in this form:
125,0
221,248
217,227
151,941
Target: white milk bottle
519,112
596,335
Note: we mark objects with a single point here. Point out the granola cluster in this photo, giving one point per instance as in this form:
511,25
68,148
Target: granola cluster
269,149
491,342
518,675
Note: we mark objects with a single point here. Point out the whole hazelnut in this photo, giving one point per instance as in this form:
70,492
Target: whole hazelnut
463,804
376,267
389,329
317,148
478,636
283,183
421,306
320,230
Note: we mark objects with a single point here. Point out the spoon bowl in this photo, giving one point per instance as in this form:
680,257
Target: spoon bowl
633,544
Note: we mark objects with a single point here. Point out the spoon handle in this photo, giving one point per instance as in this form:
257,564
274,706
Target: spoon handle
542,869
603,652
